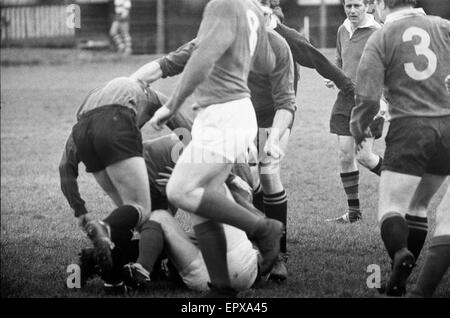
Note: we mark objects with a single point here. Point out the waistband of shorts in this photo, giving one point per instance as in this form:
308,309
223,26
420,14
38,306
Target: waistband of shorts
106,108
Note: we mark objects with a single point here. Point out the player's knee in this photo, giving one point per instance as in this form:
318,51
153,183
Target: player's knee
175,193
346,156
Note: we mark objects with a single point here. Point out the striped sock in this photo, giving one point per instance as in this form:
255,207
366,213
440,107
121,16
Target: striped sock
258,198
275,206
418,230
350,181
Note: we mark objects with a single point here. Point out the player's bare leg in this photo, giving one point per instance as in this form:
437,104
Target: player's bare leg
275,201
437,259
106,184
129,178
416,217
197,188
396,193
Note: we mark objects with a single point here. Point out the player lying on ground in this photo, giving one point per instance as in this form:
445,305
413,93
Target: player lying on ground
163,233
108,141
408,59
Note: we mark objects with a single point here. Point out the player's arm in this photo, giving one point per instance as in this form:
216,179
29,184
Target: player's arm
369,87
68,173
169,65
283,93
215,35
307,55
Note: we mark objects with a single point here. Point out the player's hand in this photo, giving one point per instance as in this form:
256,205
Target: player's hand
161,116
362,139
164,177
240,186
83,220
272,147
329,83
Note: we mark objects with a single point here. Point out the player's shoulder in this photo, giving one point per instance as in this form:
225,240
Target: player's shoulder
277,42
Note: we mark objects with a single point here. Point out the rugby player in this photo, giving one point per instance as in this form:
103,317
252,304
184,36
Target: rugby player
352,36
108,141
163,233
231,40
273,98
408,59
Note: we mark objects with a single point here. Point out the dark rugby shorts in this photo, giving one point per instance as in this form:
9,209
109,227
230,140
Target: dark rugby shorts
418,145
107,135
340,115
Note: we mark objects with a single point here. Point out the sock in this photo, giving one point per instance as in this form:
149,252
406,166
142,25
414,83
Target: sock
258,198
350,181
124,217
275,206
151,244
418,230
217,207
436,264
212,242
394,232
377,168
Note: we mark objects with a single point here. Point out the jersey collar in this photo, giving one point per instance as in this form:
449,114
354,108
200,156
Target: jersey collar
370,23
404,13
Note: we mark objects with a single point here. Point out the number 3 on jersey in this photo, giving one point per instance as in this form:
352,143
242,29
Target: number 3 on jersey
422,48
253,24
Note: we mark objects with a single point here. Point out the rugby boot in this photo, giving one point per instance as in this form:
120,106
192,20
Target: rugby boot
349,217
403,264
267,237
279,270
136,276
98,233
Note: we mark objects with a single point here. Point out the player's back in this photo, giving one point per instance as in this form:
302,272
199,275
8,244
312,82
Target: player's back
250,48
417,60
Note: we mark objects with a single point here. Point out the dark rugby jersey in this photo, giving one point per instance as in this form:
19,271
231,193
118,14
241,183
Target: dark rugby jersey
308,56
275,91
409,58
350,45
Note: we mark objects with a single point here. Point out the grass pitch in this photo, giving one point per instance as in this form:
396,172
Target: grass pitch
40,237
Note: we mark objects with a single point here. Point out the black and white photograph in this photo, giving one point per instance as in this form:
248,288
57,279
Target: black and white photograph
246,150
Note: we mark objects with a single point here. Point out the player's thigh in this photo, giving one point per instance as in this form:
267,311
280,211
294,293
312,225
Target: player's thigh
189,176
106,184
427,188
114,30
129,176
443,215
396,192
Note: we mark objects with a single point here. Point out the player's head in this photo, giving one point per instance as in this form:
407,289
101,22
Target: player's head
275,6
356,11
384,7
